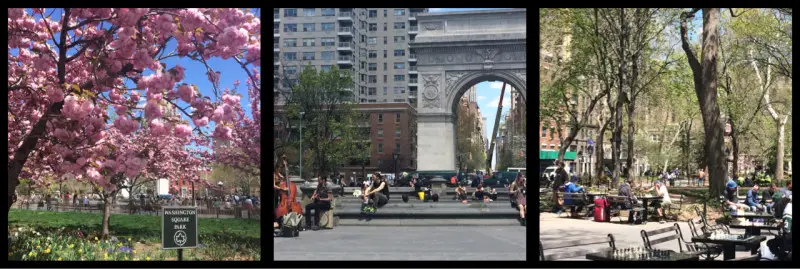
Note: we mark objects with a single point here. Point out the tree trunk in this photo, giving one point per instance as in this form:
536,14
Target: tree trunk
631,133
617,134
779,153
705,80
106,216
735,151
599,150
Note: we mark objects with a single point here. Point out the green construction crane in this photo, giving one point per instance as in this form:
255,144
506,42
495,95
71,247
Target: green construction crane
494,131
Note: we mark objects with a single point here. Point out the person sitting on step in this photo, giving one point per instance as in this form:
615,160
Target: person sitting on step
461,193
320,201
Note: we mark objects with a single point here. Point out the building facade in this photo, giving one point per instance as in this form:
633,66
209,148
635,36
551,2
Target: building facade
372,44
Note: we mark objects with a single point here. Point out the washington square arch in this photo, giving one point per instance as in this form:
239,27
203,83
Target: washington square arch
456,50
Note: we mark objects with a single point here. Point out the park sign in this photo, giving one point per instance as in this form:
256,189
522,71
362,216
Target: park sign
179,227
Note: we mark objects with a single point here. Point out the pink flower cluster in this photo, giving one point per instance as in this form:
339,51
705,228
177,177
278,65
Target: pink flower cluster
125,125
165,26
223,132
186,93
254,54
129,16
152,110
16,13
159,127
77,109
183,130
231,40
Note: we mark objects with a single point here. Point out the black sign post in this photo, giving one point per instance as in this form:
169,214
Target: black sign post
179,228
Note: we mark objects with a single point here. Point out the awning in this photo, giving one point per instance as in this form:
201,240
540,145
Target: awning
552,155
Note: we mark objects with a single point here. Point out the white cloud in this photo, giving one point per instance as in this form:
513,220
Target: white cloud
481,98
496,85
434,9
493,103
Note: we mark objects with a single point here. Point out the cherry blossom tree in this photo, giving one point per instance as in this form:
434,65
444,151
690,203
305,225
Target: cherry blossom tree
61,96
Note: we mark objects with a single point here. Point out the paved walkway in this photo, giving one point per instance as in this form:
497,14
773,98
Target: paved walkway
552,228
405,243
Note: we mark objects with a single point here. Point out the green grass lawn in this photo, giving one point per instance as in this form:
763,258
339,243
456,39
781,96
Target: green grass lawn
221,238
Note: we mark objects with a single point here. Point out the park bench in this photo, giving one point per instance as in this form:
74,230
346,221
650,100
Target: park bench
712,251
707,227
673,210
674,233
617,204
577,199
562,244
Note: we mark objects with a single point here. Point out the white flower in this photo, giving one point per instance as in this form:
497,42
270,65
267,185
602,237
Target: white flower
37,233
16,234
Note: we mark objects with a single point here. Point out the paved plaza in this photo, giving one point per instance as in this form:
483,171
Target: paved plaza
405,243
553,228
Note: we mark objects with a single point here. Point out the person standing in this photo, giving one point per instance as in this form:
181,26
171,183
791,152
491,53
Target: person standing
701,177
558,184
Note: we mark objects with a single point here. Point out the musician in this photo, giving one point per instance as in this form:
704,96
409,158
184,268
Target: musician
517,191
277,179
320,201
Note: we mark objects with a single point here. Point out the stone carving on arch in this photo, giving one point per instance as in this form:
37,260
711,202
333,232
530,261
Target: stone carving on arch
431,91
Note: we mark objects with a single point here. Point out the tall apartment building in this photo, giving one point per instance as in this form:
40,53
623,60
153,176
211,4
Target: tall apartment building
371,43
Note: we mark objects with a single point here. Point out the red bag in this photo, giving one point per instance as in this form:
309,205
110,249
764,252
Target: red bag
601,210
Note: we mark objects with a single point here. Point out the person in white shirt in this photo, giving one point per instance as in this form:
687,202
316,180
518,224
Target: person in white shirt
660,190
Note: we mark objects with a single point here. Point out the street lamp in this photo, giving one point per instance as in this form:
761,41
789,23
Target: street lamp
301,145
219,183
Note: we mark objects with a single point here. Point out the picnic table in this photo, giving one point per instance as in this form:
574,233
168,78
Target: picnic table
645,201
641,255
730,241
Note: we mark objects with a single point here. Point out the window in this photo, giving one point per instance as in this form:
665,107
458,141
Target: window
372,79
398,118
373,67
373,14
398,101
385,90
384,66
552,146
372,91
372,101
290,12
399,39
290,70
544,132
327,42
363,78
363,38
328,11
384,78
326,68
328,55
328,26
399,25
290,28
308,56
398,53
385,25
373,27
384,13
397,147
373,54
309,42
400,12
363,100
552,133
309,12
384,54
399,77
380,145
310,67
308,27
290,42
399,90
372,40
363,91
290,56
363,64
380,118
397,132
385,38
399,65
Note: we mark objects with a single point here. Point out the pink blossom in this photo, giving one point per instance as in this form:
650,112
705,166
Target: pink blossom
254,54
120,109
186,93
92,173
222,132
135,96
152,109
16,13
201,122
183,130
218,114
55,94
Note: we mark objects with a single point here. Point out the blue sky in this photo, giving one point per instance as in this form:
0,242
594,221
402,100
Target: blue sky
488,93
195,72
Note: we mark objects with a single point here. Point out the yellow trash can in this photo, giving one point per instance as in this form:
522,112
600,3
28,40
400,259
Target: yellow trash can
421,196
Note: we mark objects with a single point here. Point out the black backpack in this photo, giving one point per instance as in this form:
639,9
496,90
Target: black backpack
780,205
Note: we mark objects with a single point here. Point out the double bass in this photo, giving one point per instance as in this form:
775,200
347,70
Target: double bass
288,202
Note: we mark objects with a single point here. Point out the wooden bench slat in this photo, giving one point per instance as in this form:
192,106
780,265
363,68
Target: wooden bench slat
663,239
660,231
574,243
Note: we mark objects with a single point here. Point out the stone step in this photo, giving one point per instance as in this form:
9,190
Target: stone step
411,199
431,213
428,222
431,205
